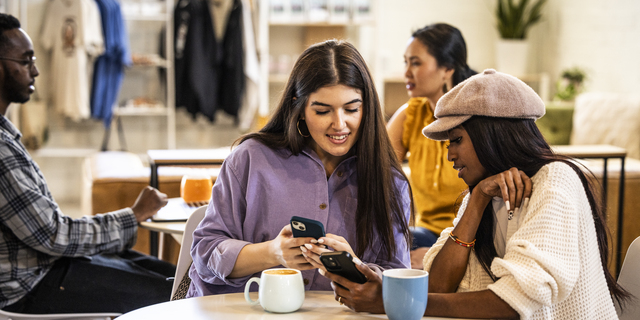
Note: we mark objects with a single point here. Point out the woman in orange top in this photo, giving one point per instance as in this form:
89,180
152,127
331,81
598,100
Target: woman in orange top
435,61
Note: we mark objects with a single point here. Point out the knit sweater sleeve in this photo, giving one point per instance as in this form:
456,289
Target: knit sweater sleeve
541,264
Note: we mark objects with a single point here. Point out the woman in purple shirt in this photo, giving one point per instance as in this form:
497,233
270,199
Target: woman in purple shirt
324,155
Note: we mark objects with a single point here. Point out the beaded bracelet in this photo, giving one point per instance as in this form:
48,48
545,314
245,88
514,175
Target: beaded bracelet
462,243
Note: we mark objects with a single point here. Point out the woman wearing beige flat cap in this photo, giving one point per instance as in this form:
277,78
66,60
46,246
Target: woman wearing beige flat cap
530,238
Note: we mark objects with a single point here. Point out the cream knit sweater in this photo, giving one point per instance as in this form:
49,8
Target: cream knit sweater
551,268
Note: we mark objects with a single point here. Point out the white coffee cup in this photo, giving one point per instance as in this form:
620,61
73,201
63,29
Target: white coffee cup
280,290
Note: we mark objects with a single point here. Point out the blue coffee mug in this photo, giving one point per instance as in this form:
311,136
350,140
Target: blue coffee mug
405,293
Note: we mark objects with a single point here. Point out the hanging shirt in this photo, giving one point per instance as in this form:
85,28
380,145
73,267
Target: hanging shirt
209,74
232,65
197,58
250,98
72,33
109,67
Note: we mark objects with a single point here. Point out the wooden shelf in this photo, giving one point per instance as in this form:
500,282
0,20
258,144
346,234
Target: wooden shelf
162,17
161,64
395,94
159,13
320,24
140,111
288,33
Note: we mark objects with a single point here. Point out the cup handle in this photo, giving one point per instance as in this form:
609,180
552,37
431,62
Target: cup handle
246,291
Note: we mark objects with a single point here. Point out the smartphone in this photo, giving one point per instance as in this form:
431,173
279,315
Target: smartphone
341,263
303,227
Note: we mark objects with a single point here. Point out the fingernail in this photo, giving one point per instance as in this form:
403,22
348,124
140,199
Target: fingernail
357,261
321,241
303,249
320,271
308,246
508,205
314,241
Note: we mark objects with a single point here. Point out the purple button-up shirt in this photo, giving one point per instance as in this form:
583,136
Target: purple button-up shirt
255,195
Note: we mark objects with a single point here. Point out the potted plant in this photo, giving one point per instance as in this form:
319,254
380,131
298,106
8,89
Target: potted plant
513,22
570,84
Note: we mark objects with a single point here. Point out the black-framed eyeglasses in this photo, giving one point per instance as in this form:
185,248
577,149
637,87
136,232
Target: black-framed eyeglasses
29,62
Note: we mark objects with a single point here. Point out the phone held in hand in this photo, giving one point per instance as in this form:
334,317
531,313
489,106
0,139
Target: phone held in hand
304,227
341,263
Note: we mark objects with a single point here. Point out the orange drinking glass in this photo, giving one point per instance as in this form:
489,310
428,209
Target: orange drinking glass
195,188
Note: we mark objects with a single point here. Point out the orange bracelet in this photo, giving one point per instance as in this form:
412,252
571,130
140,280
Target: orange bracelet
462,243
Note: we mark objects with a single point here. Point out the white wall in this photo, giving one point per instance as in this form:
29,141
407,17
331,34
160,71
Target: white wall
602,37
398,19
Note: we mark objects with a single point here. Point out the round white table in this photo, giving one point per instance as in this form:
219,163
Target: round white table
175,229
317,305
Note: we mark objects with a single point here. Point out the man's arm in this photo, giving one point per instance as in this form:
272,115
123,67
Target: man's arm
29,210
149,201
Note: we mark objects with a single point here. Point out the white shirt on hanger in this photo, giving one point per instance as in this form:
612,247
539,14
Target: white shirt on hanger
72,33
251,98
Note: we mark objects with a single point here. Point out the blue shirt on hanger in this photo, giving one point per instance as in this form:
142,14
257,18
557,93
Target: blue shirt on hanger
109,68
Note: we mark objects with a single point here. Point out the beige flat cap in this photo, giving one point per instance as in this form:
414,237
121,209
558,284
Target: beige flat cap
490,94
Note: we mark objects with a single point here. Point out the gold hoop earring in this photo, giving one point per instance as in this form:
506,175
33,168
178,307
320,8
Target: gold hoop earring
444,88
300,132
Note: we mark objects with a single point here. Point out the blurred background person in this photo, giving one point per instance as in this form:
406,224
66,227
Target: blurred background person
435,61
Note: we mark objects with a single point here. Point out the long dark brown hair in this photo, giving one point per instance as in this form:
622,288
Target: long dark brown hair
446,44
380,206
501,144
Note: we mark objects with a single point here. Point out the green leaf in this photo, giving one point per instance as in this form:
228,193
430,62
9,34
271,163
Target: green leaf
535,14
514,19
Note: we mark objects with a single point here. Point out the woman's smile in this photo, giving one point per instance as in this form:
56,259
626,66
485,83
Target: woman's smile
333,116
338,139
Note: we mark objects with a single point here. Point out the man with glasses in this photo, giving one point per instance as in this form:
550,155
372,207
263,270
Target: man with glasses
50,263
18,67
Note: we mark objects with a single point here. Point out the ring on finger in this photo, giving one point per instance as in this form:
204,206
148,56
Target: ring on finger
340,300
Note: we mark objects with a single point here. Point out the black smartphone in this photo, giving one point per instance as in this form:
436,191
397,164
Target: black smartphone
304,227
341,263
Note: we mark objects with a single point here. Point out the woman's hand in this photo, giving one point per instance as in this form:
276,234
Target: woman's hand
513,186
283,250
366,297
286,250
313,251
